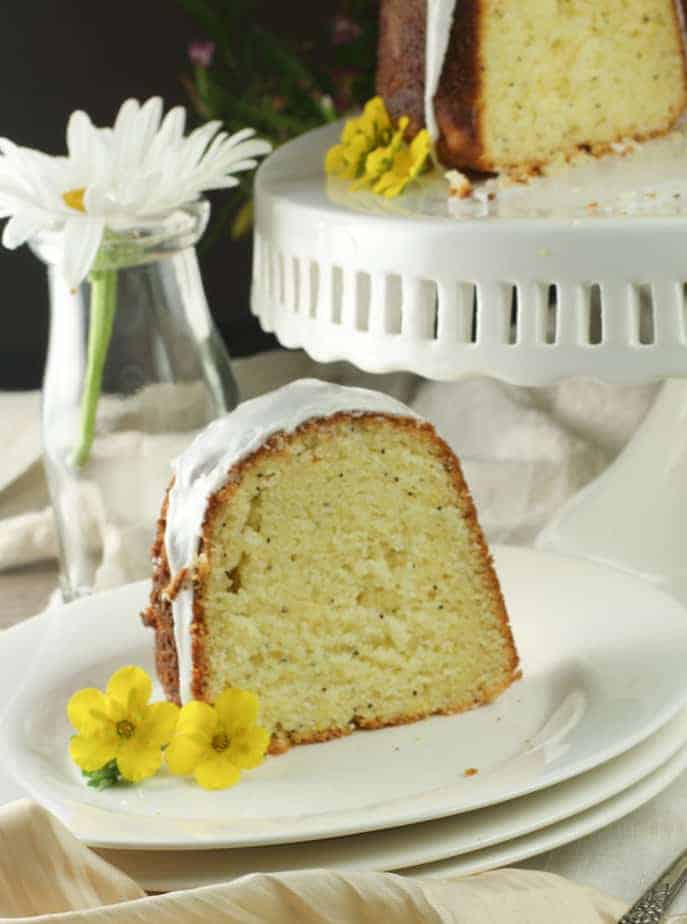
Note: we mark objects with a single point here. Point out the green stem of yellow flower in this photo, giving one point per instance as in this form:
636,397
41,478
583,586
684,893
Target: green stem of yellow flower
103,304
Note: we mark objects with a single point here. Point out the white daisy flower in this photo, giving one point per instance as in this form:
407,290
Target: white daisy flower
110,180
113,177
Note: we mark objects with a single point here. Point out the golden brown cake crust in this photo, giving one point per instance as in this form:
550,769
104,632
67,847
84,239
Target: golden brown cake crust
401,77
158,615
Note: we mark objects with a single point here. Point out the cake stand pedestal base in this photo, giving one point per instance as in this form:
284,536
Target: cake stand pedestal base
634,516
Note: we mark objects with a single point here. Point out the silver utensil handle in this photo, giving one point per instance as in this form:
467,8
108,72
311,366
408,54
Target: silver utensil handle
652,906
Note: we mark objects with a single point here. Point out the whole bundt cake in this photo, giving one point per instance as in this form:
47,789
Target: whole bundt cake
507,85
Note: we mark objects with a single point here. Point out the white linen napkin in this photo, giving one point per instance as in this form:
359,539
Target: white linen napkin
47,875
524,453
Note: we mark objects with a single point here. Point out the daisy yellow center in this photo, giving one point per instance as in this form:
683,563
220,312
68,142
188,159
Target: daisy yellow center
74,198
125,728
220,742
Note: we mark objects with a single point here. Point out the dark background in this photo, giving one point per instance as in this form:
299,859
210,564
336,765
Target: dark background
59,55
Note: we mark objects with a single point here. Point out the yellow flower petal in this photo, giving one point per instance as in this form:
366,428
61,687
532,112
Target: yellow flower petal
248,747
91,752
382,159
375,111
419,155
116,712
217,772
377,163
352,127
421,145
158,723
185,753
335,160
197,718
137,760
81,707
237,709
408,162
130,687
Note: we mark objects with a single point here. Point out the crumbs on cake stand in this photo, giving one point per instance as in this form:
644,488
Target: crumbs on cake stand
471,771
625,178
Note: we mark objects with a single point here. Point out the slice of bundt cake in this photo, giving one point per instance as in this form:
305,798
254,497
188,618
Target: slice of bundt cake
319,547
509,84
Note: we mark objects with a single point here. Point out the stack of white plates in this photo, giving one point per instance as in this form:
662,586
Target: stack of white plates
596,727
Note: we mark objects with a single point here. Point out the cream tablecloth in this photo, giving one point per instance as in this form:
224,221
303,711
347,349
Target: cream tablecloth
46,875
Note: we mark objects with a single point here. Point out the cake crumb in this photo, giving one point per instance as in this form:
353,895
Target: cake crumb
460,186
471,771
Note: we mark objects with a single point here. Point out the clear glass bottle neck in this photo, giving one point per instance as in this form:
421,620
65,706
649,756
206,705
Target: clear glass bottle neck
125,245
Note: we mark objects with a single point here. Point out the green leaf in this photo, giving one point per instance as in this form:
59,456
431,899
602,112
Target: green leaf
271,71
243,221
107,776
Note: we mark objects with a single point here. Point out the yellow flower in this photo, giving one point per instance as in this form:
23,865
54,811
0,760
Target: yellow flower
379,161
359,137
407,163
215,743
121,725
372,153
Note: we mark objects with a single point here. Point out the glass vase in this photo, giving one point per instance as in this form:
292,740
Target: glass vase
135,368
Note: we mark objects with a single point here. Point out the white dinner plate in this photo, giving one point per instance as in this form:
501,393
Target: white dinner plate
495,829
602,658
572,829
500,827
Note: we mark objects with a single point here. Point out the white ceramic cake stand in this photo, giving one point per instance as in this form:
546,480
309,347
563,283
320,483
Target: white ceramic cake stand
558,289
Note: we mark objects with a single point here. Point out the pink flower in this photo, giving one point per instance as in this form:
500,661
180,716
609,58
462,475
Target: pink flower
201,54
344,30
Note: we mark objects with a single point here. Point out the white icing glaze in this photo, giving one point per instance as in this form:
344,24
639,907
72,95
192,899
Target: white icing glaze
438,29
203,468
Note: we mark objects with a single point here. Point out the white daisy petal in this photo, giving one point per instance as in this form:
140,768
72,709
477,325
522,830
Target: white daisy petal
226,182
124,136
214,146
256,147
241,135
13,200
95,200
194,146
82,237
226,157
201,137
22,226
12,182
243,165
170,132
142,130
79,129
125,116
151,113
106,135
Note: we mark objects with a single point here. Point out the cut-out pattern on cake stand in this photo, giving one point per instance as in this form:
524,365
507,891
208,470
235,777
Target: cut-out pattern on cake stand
525,293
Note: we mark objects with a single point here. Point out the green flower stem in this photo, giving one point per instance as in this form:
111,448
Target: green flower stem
103,304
